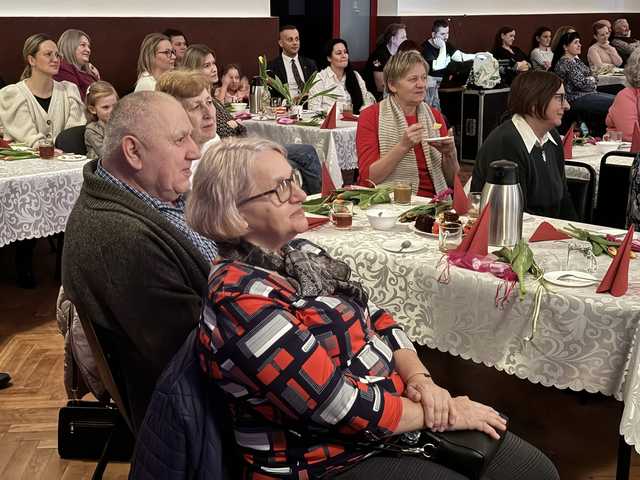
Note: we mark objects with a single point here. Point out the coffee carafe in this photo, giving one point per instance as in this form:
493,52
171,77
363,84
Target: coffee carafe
256,94
503,194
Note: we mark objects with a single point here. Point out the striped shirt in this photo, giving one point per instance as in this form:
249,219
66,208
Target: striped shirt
173,212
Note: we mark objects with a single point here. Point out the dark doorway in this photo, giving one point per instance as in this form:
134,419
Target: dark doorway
314,20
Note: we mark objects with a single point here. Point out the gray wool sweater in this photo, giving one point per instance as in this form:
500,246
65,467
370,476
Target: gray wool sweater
136,278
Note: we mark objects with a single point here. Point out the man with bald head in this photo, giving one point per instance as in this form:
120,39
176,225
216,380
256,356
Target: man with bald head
131,264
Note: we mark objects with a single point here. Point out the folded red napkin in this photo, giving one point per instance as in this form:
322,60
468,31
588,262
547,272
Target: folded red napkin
330,121
461,202
349,117
285,121
4,143
327,184
476,242
616,280
567,144
546,232
316,221
635,139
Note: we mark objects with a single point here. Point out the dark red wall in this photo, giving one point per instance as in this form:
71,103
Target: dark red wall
116,41
476,33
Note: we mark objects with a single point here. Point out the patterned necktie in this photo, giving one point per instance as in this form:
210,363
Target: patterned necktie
537,153
296,75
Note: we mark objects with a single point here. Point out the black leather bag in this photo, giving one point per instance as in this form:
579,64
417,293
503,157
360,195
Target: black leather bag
93,430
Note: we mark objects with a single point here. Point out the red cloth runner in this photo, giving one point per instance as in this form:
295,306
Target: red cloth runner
635,139
330,121
546,232
567,144
461,202
316,221
616,280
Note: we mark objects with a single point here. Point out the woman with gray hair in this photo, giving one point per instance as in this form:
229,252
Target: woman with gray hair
156,57
401,138
624,112
307,361
75,67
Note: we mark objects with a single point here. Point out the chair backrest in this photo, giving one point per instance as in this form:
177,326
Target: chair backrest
71,140
582,191
613,191
633,204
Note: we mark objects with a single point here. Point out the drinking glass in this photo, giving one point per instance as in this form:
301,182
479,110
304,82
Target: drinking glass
474,207
46,149
612,136
347,108
402,193
342,214
449,236
580,257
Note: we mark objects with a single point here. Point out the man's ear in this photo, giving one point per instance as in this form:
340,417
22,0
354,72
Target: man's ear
131,147
280,43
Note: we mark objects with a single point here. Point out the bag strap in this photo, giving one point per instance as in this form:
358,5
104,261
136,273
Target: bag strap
104,369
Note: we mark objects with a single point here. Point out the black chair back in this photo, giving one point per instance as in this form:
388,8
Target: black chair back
71,140
633,205
582,191
613,191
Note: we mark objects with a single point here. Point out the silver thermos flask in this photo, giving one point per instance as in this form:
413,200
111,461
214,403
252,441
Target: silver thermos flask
503,194
255,96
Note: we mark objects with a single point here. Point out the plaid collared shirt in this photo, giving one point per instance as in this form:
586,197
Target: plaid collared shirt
172,212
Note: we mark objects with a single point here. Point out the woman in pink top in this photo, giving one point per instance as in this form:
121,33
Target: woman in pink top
602,52
624,113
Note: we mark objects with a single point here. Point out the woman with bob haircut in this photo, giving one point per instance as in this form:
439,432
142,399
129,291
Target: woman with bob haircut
529,138
156,57
302,353
38,106
75,66
625,110
393,138
339,73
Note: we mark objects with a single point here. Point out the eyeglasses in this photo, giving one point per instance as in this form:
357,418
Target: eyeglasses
283,191
561,97
168,53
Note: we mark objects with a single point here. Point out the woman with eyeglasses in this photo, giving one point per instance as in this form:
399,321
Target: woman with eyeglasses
75,65
529,138
38,106
156,57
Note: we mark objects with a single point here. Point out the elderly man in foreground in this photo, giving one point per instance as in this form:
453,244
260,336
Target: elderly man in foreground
131,264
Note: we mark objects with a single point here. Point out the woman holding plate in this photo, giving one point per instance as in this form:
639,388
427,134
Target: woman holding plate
395,138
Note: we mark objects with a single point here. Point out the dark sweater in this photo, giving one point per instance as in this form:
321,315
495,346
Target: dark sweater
136,278
544,184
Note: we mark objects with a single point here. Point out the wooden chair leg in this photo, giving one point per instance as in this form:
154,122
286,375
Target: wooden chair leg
624,459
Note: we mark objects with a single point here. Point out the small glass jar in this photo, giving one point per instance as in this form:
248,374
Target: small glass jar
46,149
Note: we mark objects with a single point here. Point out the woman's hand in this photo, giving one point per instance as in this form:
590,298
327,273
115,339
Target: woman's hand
439,410
446,147
94,71
412,136
522,66
472,415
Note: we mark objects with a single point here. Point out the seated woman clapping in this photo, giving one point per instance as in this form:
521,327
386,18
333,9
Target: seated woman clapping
156,57
393,136
75,66
346,82
303,354
38,106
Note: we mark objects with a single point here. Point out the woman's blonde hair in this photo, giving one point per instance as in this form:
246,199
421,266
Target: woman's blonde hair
30,49
400,64
632,69
146,58
95,92
182,84
195,55
68,44
223,179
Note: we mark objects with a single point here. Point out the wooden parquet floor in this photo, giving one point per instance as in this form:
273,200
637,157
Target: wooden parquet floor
577,431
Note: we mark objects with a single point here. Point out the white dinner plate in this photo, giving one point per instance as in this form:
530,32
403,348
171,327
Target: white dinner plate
438,139
413,228
70,157
395,245
581,279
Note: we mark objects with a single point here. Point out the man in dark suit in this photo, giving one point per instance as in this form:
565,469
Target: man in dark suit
290,67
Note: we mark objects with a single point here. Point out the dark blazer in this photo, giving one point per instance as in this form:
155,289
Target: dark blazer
276,66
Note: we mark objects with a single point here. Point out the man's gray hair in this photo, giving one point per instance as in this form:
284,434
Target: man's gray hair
632,69
617,22
135,114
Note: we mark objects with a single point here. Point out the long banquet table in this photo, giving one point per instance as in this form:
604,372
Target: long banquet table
583,341
36,197
336,147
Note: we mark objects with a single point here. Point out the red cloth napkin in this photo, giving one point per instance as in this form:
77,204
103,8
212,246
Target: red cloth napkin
476,243
567,144
4,143
330,121
316,222
327,184
546,232
349,117
635,139
616,280
461,202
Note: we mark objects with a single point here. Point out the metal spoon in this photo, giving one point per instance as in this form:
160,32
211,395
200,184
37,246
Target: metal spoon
403,245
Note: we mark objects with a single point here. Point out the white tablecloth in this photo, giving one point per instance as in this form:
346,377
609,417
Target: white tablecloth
336,148
584,341
36,197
